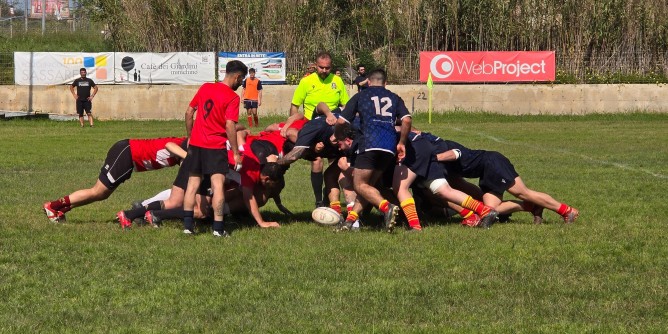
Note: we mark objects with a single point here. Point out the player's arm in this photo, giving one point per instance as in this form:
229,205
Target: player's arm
72,91
254,209
295,115
231,117
176,150
292,156
323,108
94,92
259,93
406,124
190,119
231,130
450,155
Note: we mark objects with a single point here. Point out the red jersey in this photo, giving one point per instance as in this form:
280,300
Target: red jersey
295,125
150,154
216,103
250,167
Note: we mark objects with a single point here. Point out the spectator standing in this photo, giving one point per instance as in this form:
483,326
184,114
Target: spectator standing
361,81
83,97
252,94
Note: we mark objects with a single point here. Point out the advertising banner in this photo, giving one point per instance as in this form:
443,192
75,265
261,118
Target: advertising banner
488,66
269,66
184,68
58,9
57,68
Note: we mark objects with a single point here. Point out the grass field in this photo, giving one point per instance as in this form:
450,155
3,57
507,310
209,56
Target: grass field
605,273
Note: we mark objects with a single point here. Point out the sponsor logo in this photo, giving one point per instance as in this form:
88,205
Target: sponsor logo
442,66
98,64
333,85
486,66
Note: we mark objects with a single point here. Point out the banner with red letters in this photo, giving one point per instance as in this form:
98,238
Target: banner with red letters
488,66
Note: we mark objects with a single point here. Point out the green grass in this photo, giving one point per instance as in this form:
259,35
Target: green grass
605,273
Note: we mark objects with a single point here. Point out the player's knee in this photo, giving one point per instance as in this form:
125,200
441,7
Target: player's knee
436,186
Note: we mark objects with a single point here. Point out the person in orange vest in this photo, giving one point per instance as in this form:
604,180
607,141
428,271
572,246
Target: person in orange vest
252,94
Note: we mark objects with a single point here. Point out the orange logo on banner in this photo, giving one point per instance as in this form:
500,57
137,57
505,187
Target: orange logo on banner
500,66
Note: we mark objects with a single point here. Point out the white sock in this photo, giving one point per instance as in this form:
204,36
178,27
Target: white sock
161,196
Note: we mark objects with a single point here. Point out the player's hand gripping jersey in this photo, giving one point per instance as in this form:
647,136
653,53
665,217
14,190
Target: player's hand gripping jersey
378,110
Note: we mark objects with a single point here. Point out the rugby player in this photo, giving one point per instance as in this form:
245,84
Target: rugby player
378,110
497,175
123,158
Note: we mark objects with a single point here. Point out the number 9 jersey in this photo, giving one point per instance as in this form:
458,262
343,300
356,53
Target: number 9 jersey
378,110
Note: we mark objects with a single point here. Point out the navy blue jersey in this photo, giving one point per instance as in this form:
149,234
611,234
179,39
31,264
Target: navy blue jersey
470,164
318,131
378,111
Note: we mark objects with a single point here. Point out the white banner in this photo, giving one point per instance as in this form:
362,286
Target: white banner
184,68
57,68
269,66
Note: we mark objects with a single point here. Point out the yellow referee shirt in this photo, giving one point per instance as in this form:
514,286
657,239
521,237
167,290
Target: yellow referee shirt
313,90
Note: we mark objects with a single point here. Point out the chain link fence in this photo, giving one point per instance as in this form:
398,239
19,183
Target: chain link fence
14,27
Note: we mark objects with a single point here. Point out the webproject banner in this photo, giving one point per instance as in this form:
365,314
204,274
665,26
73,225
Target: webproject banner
488,66
183,68
57,68
269,66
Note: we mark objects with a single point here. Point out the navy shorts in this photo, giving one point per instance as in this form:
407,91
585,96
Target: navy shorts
250,104
84,105
421,160
118,165
376,160
205,161
498,175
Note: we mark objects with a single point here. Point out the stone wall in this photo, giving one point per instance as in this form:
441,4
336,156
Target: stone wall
170,102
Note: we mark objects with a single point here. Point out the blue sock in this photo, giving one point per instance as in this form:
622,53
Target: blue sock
188,221
218,226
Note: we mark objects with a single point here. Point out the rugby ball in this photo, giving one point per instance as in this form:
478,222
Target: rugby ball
326,216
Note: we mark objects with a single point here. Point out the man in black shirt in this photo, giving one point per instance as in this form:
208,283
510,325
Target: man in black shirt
361,81
83,96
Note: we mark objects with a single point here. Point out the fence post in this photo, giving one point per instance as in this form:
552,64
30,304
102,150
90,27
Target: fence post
43,17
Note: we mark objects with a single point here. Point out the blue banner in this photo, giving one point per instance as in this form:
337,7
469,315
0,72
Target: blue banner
269,66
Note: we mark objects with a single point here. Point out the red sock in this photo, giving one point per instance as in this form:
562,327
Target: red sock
477,206
352,216
336,205
408,206
384,206
564,209
465,213
250,121
60,203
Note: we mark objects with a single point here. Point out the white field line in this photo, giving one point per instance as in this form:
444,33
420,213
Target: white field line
581,156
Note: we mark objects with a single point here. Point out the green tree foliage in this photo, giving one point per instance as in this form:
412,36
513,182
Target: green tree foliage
622,36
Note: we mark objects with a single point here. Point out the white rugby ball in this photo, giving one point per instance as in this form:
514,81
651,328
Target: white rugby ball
325,216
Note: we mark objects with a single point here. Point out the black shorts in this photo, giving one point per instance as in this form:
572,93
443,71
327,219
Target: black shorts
250,104
117,166
498,175
376,160
206,161
182,176
421,160
84,105
262,149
